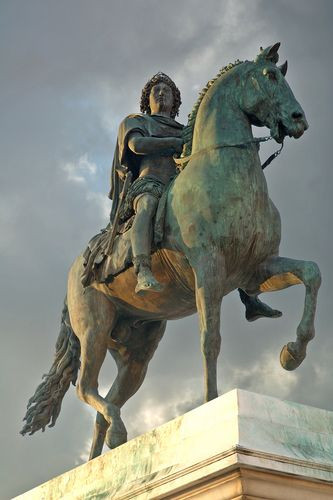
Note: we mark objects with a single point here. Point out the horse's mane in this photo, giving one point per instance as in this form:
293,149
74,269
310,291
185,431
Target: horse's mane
187,148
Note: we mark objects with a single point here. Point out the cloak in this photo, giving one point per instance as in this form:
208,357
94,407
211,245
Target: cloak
147,126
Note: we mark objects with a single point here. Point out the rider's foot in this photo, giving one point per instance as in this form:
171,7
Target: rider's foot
147,282
256,309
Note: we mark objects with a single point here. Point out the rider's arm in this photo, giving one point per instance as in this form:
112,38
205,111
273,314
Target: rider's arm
141,145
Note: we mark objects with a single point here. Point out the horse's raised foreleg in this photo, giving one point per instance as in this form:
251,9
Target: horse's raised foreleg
277,273
132,360
209,270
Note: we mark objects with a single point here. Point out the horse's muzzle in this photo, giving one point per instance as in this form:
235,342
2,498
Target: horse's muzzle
299,123
295,127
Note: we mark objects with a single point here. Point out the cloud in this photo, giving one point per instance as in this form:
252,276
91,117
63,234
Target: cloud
265,377
155,410
81,171
84,453
84,172
101,201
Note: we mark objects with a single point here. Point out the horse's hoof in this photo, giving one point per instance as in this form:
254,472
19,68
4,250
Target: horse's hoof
116,435
115,439
288,360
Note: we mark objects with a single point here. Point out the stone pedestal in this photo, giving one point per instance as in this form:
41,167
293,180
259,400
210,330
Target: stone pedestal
241,445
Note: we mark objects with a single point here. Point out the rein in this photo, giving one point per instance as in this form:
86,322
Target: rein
180,162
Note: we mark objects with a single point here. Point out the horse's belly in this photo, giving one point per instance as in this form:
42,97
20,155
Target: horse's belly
176,300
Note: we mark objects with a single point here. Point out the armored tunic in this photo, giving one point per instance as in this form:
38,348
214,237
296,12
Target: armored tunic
147,126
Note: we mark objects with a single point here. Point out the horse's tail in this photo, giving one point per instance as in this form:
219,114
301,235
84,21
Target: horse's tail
45,404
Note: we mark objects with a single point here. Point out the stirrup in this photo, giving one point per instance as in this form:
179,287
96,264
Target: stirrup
148,285
146,281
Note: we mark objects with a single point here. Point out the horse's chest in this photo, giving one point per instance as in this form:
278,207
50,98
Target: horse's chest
227,208
235,217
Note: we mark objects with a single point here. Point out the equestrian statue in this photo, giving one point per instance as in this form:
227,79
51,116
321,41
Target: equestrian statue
191,221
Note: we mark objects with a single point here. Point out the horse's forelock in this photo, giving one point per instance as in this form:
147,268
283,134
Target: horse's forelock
269,54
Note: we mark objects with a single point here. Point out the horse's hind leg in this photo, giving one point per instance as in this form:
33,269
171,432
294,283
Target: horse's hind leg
277,273
92,318
132,360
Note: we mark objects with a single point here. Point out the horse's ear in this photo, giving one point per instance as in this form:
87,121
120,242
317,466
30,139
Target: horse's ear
283,68
270,53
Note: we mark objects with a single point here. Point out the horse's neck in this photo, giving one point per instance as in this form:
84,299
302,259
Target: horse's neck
220,119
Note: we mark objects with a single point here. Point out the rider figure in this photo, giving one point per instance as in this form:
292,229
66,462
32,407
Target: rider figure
146,145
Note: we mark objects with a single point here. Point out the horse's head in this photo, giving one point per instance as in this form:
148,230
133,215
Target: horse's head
268,100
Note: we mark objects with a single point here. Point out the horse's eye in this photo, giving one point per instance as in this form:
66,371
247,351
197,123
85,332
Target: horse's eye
271,74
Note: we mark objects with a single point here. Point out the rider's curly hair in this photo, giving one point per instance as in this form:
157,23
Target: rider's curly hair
160,77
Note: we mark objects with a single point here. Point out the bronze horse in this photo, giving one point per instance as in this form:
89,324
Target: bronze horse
222,232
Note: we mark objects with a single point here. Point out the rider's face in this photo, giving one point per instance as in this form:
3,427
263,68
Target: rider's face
161,99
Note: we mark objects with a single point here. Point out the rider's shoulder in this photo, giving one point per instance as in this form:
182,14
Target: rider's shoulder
133,120
136,116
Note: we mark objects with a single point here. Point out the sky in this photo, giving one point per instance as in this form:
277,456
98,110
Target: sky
71,70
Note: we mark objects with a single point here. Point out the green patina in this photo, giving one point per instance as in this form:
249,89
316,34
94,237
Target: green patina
187,149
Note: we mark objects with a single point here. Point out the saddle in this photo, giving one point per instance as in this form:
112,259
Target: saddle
103,268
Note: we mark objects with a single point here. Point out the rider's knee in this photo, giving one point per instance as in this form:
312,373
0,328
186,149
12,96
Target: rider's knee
145,203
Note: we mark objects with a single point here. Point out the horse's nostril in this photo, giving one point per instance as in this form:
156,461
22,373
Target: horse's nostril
297,115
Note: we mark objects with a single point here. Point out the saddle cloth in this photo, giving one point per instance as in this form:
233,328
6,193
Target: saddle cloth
100,267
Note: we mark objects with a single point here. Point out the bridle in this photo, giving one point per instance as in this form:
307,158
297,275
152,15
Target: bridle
182,161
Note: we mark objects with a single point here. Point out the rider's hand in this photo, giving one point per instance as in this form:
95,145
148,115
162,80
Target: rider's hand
122,171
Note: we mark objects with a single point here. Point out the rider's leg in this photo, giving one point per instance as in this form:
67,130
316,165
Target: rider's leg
141,235
255,309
